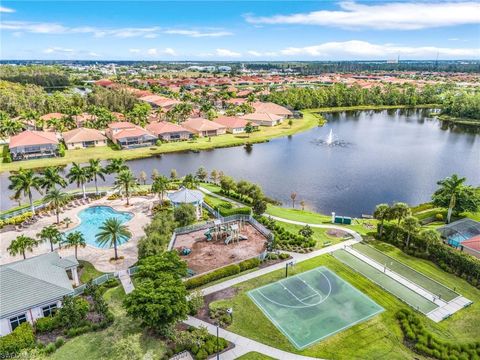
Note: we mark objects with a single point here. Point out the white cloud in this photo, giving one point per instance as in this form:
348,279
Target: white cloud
358,50
226,53
152,51
58,50
254,53
134,51
169,51
262,54
196,33
399,15
4,9
93,54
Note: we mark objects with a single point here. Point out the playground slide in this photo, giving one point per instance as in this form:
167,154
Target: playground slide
242,237
208,234
228,239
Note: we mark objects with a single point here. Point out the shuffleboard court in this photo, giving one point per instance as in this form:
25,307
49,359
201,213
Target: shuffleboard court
418,278
313,305
399,290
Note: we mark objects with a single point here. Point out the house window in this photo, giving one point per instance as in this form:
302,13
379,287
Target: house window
49,310
17,320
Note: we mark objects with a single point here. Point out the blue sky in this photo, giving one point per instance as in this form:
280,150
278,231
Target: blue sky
239,30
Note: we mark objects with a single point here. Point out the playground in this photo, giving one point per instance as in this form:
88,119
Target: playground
220,244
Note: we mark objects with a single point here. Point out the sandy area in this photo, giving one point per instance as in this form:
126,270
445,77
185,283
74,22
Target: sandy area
208,255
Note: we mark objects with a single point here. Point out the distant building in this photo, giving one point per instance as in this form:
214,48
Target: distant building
34,288
272,108
82,138
264,119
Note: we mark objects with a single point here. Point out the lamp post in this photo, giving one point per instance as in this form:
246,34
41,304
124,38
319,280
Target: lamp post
290,263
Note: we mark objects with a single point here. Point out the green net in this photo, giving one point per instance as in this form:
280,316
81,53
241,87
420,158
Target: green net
402,292
313,305
418,278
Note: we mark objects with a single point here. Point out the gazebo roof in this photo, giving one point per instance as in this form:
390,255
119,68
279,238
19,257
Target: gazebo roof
186,196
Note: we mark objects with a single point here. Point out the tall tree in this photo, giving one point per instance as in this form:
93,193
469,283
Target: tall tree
95,171
173,174
142,177
75,239
113,233
293,197
50,234
450,188
381,213
51,178
411,226
115,166
8,126
400,211
21,245
190,181
429,237
57,198
23,182
201,174
79,175
160,185
126,182
214,176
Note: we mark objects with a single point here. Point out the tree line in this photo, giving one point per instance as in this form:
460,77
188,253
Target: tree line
463,104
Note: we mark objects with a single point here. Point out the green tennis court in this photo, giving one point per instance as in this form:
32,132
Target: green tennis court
313,305
418,278
402,292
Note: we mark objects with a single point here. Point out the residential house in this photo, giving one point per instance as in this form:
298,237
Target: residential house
81,138
157,101
168,131
264,119
271,108
128,135
34,288
82,119
33,144
203,127
234,124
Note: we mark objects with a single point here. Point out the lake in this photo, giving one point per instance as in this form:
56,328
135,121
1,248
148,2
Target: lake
380,156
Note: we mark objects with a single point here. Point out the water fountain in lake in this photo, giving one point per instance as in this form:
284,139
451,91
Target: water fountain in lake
331,141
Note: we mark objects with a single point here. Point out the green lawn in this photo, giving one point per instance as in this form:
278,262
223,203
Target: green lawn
125,339
253,355
89,272
105,152
378,338
320,235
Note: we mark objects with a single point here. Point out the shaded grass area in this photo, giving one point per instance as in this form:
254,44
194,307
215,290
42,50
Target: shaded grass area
105,152
88,271
123,340
378,338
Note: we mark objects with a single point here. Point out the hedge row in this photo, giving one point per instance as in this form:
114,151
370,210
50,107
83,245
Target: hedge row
427,343
234,211
20,338
285,239
221,273
15,220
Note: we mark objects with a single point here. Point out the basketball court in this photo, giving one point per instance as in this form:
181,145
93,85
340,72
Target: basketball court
313,305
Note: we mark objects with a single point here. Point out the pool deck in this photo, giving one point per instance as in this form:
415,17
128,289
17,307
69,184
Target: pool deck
100,258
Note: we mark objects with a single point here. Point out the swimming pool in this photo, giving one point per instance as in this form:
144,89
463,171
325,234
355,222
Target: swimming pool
93,217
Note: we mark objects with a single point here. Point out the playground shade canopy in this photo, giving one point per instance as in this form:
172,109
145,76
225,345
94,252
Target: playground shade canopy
313,305
458,231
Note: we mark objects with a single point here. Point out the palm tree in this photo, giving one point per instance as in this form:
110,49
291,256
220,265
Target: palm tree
430,237
400,211
57,198
21,244
160,185
302,204
293,196
95,170
80,175
411,226
113,233
50,234
143,177
23,182
67,221
190,181
51,178
8,126
75,239
382,213
450,187
115,166
125,181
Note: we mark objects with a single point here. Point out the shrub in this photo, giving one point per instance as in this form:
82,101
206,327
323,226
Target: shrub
20,338
7,157
184,214
73,311
50,348
59,342
202,354
439,217
212,276
249,264
46,324
195,302
240,210
61,150
78,330
15,220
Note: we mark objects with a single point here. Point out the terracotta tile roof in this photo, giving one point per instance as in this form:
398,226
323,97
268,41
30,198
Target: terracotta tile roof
131,132
201,124
164,127
159,100
269,107
472,243
104,82
232,122
262,116
82,134
118,115
29,137
50,116
120,125
236,101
